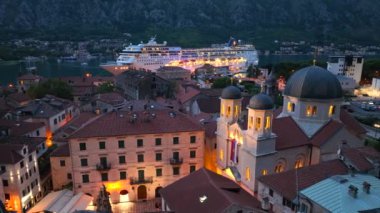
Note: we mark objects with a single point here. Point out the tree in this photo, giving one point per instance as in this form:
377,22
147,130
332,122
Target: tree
106,87
222,82
54,87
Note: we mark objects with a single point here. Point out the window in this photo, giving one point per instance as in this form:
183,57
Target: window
102,145
123,175
192,168
175,140
228,111
248,174
140,158
82,146
104,176
250,123
3,168
5,183
176,155
103,160
85,178
69,176
30,158
331,110
236,111
192,153
300,161
258,123
63,116
311,111
193,139
271,192
121,144
26,176
22,164
62,163
291,107
175,170
264,172
140,142
122,159
158,172
158,141
55,121
21,179
267,123
221,154
158,156
304,208
83,162
280,166
7,196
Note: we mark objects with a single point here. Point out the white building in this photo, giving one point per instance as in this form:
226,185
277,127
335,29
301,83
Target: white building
349,66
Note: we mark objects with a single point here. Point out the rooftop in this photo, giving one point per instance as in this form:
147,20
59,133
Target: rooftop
211,192
136,123
20,128
285,183
332,193
61,151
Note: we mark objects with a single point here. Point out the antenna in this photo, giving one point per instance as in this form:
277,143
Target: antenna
315,56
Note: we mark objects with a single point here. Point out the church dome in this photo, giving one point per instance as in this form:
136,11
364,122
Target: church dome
261,101
315,83
231,92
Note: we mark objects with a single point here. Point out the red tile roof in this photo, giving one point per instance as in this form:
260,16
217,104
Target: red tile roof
285,183
20,128
119,123
357,159
219,193
10,153
351,123
282,127
326,132
61,151
19,97
186,93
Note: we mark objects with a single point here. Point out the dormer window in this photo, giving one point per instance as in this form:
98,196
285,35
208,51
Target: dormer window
291,107
331,110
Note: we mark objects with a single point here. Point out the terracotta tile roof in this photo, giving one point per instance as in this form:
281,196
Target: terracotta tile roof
30,76
282,127
110,97
326,132
285,183
20,128
139,105
46,107
10,153
370,153
219,193
186,93
31,142
119,123
356,158
19,97
351,123
61,151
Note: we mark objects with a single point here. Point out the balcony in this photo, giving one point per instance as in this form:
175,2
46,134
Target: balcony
176,161
103,166
144,180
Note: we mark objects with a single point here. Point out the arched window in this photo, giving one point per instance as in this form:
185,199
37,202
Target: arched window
331,110
258,123
248,174
267,122
280,166
236,111
250,123
264,172
228,111
300,161
291,107
311,111
221,154
222,110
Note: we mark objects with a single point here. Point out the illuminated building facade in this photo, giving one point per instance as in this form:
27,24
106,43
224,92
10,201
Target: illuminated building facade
308,129
136,153
20,176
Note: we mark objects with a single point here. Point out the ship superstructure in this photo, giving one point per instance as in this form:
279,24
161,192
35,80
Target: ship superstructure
152,55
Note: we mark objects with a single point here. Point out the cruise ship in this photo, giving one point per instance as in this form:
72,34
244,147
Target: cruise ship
152,55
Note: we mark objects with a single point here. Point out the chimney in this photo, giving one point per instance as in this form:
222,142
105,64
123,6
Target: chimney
353,191
366,187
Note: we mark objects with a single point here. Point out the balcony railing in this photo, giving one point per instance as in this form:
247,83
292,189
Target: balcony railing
134,181
176,161
103,166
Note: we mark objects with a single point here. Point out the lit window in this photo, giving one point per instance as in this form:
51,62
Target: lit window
300,161
248,174
222,110
236,111
280,167
291,107
267,124
221,154
258,123
311,111
264,172
228,111
331,110
250,122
